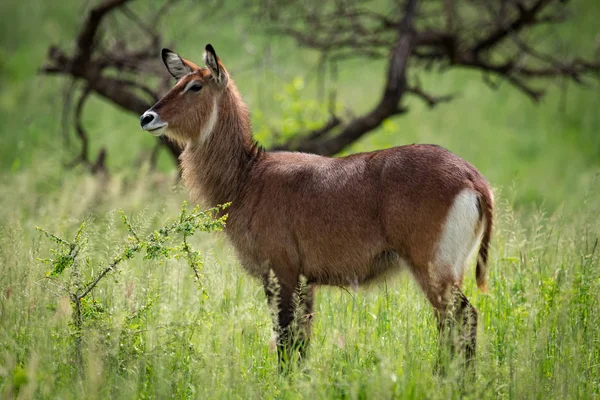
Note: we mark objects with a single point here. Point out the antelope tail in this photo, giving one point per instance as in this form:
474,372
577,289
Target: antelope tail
486,206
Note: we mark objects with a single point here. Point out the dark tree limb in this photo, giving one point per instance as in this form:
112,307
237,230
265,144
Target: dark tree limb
527,16
314,135
81,134
534,94
112,74
490,36
85,40
388,106
83,158
69,89
429,99
332,123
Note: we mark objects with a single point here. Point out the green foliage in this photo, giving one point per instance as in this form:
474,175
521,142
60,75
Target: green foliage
70,250
153,329
158,244
132,340
294,110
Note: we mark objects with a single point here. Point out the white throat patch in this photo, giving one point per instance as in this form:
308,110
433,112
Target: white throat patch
210,124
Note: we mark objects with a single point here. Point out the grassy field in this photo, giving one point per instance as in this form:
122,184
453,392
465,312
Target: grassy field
152,331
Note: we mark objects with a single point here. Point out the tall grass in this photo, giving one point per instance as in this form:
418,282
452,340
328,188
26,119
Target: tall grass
158,336
152,333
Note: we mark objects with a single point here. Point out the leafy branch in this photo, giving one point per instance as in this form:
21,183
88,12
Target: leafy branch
158,244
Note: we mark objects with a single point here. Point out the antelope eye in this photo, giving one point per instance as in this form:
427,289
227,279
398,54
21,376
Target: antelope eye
195,87
192,86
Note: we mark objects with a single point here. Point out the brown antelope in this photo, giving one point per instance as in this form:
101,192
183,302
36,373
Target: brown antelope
297,217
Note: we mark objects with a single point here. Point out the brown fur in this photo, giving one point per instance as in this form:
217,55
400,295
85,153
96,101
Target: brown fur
335,221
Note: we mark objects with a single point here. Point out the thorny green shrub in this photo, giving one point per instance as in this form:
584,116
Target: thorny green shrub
169,241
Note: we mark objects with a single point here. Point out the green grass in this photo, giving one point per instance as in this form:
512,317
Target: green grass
156,335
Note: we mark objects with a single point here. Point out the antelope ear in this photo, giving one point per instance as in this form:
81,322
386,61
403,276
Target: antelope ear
177,66
215,66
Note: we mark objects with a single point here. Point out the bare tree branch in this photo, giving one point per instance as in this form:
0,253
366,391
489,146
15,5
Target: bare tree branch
388,105
493,37
429,99
83,158
476,41
85,40
92,64
83,155
527,16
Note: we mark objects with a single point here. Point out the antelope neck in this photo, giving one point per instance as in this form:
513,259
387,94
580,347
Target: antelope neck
215,169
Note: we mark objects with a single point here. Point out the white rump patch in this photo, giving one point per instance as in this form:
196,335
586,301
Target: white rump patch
461,233
210,124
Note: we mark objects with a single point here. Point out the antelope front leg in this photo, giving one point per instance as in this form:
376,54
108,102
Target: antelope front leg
292,317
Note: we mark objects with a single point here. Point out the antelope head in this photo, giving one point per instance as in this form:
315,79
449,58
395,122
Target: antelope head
189,111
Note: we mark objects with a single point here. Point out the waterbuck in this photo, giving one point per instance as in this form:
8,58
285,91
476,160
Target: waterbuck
302,220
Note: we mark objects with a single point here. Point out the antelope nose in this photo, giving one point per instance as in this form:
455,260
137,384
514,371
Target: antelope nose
147,118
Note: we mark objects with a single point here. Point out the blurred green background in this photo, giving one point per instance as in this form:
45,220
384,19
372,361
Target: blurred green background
544,153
